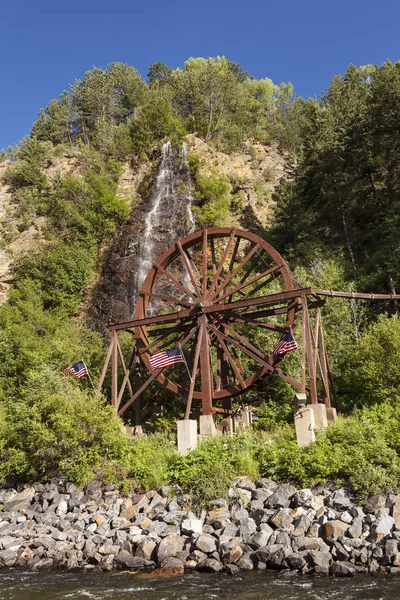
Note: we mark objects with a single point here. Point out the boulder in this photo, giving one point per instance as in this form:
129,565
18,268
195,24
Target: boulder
169,546
296,561
302,497
282,519
145,549
190,526
334,528
374,504
211,565
206,543
20,501
320,561
381,528
342,569
169,567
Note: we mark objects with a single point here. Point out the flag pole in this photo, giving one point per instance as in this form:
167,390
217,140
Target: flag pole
184,360
87,371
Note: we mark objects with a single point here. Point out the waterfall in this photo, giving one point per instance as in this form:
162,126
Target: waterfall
164,202
189,196
156,224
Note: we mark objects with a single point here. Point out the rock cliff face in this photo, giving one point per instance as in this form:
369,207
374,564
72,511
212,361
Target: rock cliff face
23,242
160,215
256,173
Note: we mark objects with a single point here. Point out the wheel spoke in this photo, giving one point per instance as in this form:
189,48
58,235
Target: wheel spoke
176,282
170,299
230,359
221,263
244,340
262,284
205,265
194,372
243,348
249,282
188,268
246,259
247,321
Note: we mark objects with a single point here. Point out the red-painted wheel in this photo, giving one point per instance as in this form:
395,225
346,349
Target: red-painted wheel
218,294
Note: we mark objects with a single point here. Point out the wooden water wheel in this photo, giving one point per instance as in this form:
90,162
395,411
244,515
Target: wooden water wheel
217,294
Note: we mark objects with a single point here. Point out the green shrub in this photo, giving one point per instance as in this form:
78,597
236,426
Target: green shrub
56,427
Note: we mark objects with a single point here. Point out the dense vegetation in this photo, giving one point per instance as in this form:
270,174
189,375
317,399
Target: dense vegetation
337,222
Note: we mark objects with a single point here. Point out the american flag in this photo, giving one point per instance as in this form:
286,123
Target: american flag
286,344
78,370
166,358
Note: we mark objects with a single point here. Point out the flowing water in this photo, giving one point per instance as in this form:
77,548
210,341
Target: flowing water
164,200
17,585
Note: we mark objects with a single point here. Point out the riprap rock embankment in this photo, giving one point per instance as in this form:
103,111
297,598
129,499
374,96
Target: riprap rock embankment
262,526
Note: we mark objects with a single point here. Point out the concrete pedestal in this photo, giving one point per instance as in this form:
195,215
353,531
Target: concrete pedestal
320,416
304,422
138,430
207,426
331,415
225,426
129,431
243,419
187,435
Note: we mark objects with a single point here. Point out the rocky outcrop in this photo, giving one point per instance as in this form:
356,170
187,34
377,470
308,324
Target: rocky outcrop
255,173
320,531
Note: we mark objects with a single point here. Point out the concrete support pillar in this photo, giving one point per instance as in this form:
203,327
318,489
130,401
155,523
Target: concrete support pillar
331,415
207,426
138,430
304,422
187,435
320,416
226,426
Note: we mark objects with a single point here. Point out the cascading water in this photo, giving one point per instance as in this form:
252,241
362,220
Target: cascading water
189,197
164,191
155,224
174,170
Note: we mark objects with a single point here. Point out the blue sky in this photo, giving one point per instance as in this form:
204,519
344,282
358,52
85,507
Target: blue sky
46,45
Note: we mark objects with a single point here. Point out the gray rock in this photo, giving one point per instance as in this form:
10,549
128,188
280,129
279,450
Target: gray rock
320,561
267,484
340,500
245,563
342,569
375,504
21,500
191,526
198,556
302,497
260,494
145,549
169,546
211,565
281,497
296,561
232,569
261,538
244,483
391,547
206,543
381,528
125,560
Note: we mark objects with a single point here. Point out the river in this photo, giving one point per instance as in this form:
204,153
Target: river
22,585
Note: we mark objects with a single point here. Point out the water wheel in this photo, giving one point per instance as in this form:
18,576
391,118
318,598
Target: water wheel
216,294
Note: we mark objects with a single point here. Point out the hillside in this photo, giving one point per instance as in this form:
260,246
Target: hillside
206,145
